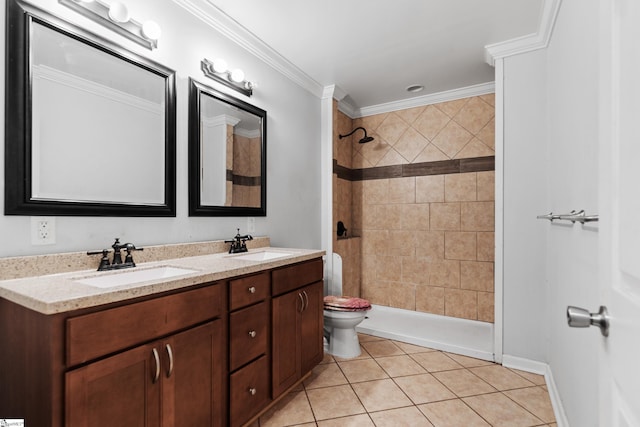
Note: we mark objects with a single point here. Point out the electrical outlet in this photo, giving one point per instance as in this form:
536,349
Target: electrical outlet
251,225
43,230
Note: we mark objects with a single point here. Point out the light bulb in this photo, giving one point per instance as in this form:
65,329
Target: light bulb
118,12
220,65
151,30
237,75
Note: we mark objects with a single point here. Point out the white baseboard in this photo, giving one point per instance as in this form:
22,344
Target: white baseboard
540,368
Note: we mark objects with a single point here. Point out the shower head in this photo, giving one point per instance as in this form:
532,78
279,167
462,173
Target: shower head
364,139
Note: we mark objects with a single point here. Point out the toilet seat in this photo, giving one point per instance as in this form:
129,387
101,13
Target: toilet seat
345,303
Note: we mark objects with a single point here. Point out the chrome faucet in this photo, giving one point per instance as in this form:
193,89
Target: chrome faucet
116,262
239,243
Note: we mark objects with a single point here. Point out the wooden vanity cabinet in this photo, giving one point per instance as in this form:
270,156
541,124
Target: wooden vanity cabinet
297,323
175,380
249,347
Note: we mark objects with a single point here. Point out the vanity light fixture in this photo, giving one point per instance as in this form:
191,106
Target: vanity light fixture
116,17
219,71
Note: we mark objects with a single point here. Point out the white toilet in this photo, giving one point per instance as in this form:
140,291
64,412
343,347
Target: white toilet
341,316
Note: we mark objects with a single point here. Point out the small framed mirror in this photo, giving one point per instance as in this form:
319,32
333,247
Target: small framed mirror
227,155
90,126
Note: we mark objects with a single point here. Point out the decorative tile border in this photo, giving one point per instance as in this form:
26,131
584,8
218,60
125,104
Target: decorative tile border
444,167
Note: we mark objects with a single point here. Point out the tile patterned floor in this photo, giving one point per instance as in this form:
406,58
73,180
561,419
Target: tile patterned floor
398,384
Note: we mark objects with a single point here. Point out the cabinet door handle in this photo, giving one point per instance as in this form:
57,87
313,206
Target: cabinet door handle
156,358
252,391
301,302
306,298
252,290
170,354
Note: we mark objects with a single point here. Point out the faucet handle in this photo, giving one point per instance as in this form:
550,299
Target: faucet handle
104,261
130,247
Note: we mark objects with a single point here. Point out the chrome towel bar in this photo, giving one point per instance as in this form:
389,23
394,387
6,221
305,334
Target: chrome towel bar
572,216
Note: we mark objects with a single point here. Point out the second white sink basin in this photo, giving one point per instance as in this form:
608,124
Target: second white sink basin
261,256
119,278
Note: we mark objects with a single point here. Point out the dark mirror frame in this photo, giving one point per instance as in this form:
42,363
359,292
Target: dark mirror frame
18,116
196,208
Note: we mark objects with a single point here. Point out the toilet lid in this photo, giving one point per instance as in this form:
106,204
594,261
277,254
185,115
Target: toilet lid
345,303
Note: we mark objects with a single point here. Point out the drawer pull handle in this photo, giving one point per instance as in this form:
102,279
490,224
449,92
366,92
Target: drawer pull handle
252,334
306,298
301,302
170,354
156,358
252,290
252,391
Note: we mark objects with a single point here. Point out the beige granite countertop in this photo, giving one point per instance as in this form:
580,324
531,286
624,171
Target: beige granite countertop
56,293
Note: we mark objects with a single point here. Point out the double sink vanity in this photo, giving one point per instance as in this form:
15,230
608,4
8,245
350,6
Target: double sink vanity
208,340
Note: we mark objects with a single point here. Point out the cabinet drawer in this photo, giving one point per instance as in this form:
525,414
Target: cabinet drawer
248,333
104,332
289,278
249,391
248,290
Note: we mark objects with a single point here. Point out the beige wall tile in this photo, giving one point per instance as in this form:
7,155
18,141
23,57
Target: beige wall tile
392,128
375,150
410,144
414,216
402,295
430,245
410,114
389,268
402,243
415,270
460,245
374,242
431,122
486,186
376,191
445,274
486,306
476,216
393,157
486,246
474,115
445,216
477,276
430,189
460,187
383,217
402,190
430,299
430,153
452,139
461,303
451,108
474,148
376,292
488,134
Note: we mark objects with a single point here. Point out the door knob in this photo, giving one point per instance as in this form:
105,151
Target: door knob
580,318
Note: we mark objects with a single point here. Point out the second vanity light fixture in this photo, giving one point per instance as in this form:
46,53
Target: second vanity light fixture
219,71
115,16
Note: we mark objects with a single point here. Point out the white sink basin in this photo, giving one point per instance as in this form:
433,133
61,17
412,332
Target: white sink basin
119,278
261,256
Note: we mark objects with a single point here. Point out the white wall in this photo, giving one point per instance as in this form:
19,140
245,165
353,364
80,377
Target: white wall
551,111
525,169
573,184
293,146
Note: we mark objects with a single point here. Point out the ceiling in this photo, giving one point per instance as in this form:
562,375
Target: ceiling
373,51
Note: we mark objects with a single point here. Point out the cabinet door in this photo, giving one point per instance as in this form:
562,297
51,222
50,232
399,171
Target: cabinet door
286,366
119,390
311,327
192,377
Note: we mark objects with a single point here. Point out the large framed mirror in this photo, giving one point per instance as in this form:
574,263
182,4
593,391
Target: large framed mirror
227,155
90,127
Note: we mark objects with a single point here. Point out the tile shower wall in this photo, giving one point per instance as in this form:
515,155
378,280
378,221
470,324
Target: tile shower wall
427,240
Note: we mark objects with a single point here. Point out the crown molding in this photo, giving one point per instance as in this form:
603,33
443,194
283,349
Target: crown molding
538,40
434,98
217,19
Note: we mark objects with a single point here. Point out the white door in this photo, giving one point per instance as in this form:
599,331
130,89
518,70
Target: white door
620,212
